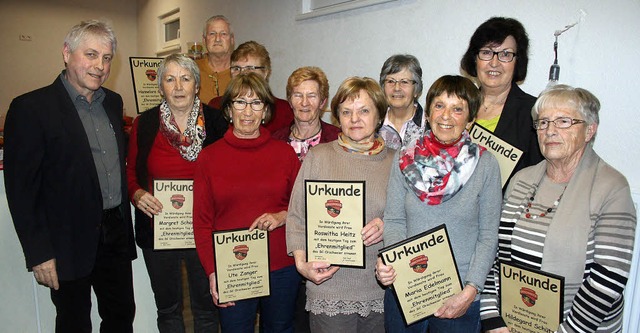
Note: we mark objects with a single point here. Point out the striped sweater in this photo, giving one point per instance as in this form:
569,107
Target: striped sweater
597,203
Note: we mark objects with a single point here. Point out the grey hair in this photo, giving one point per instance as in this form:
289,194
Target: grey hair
565,96
90,28
397,63
182,61
216,18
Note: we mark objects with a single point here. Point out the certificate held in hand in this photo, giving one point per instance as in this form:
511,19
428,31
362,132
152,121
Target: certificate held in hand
334,218
242,264
173,227
426,273
531,300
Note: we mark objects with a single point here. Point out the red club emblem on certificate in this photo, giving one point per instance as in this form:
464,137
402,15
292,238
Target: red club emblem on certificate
333,207
419,264
177,201
529,296
240,251
151,74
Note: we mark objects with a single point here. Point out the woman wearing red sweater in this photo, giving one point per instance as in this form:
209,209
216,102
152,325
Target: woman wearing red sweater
245,180
165,143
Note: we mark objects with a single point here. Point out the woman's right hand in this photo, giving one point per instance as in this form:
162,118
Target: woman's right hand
385,274
147,203
314,271
214,292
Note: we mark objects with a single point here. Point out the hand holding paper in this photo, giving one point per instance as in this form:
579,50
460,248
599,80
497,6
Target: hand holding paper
457,305
214,292
385,274
314,271
372,232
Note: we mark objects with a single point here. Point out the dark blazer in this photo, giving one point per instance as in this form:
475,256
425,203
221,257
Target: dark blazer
51,181
516,127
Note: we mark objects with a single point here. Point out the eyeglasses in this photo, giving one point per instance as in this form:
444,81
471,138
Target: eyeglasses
240,69
220,34
403,83
503,56
560,122
241,105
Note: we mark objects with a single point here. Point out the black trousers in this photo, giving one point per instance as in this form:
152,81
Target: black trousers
111,280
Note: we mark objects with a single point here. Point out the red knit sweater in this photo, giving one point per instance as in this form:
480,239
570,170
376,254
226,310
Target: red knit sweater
164,161
237,180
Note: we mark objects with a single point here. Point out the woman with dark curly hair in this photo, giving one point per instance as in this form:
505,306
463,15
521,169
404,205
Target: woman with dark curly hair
497,57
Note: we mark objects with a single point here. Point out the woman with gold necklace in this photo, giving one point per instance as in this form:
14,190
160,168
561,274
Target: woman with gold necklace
498,56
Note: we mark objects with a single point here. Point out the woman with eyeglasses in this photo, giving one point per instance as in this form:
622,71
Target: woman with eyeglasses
570,215
401,79
497,57
244,180
253,57
346,299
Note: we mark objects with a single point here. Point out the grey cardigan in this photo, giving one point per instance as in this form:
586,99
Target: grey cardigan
472,217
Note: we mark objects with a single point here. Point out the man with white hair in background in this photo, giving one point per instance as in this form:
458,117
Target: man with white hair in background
214,67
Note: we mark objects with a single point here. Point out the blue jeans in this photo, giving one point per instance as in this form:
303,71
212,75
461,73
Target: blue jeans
165,273
394,322
276,311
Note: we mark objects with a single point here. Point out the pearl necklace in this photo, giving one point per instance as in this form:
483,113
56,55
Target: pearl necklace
547,211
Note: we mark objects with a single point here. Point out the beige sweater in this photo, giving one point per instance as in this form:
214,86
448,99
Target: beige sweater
330,162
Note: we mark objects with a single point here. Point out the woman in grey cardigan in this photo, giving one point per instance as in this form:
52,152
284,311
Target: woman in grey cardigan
445,178
570,215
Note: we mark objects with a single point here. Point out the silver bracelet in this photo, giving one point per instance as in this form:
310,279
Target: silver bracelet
467,283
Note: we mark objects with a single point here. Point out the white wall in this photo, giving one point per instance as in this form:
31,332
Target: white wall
30,65
24,306
599,54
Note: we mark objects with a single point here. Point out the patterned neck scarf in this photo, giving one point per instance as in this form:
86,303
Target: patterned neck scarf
436,171
372,147
189,143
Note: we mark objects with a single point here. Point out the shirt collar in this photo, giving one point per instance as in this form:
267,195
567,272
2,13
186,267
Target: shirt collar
98,95
417,119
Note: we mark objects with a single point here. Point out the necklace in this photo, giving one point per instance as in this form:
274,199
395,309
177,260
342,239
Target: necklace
545,212
486,107
499,104
293,130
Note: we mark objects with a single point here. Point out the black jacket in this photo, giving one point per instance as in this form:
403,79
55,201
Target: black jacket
51,181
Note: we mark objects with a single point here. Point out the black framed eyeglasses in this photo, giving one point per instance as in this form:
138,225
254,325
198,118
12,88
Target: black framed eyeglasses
240,69
403,83
560,122
503,56
241,105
